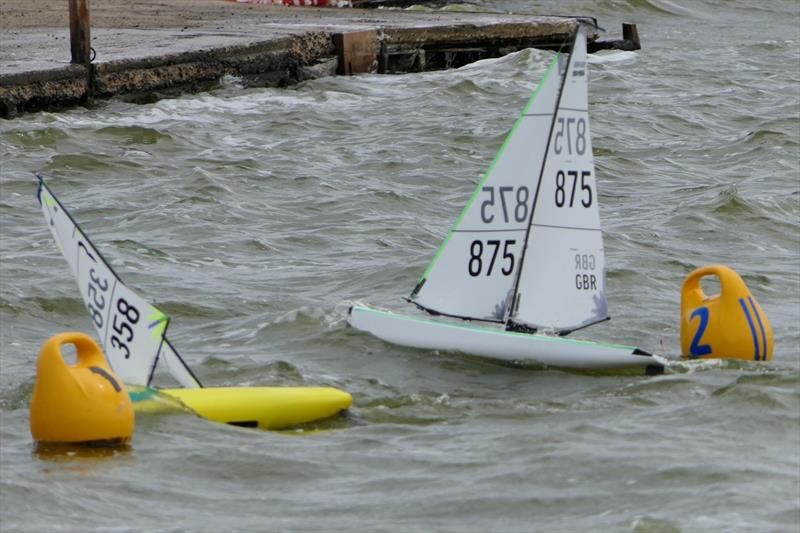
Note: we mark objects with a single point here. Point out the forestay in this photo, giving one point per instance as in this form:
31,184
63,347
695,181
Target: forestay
561,282
473,272
131,330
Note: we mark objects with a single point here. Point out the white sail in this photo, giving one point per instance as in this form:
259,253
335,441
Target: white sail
561,283
131,330
473,273
177,367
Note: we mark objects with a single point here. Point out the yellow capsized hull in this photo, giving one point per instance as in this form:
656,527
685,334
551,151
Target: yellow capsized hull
264,407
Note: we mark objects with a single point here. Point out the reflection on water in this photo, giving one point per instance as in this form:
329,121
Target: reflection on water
61,451
84,458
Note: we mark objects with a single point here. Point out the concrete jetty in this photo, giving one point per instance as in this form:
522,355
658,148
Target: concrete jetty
148,49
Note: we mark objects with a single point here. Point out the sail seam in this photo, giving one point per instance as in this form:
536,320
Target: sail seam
565,227
487,230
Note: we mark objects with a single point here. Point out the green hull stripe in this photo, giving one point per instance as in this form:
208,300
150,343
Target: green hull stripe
488,173
489,330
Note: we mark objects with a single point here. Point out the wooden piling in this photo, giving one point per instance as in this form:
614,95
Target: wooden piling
630,41
79,32
357,51
630,33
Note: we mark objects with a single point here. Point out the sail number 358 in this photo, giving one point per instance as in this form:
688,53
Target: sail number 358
128,314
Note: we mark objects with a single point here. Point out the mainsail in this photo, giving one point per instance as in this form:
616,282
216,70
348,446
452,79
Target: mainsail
473,273
131,330
561,280
527,249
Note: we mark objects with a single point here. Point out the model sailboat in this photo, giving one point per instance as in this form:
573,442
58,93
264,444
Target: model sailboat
132,332
525,257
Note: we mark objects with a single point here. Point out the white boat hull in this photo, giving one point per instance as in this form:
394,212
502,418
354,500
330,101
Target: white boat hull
498,344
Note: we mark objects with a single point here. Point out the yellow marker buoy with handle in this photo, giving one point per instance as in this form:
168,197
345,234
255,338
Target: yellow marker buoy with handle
729,325
84,402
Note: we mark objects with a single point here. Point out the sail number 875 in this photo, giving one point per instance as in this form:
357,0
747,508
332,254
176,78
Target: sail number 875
514,204
477,264
565,191
565,129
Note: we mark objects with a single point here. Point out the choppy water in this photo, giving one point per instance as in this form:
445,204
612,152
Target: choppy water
253,217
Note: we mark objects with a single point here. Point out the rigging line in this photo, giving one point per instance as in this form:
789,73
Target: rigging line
462,317
565,332
183,363
158,354
518,275
573,109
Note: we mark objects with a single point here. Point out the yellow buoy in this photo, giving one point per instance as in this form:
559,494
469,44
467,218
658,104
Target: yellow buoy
84,402
729,325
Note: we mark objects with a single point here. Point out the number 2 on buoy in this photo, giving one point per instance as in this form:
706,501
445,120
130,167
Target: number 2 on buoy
697,349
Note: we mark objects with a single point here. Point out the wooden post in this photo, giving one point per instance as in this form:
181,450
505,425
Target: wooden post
631,33
80,38
357,51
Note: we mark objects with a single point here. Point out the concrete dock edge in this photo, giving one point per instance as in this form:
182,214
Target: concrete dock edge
284,60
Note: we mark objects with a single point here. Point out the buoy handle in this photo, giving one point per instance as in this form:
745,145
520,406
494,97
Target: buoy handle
88,352
730,284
